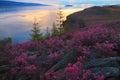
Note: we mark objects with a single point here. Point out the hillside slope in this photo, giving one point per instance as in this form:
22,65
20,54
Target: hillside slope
98,13
94,14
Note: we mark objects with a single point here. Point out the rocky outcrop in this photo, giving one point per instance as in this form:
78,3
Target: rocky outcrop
109,67
103,62
68,58
96,14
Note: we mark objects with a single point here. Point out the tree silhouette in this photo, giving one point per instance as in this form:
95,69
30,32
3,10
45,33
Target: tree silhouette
54,31
36,34
60,21
47,34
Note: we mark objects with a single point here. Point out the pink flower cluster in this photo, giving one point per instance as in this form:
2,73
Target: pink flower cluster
21,65
53,56
30,70
91,39
54,42
83,49
104,47
73,72
91,36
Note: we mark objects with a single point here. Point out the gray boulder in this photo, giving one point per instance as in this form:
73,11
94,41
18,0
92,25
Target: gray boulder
109,67
103,62
68,58
107,71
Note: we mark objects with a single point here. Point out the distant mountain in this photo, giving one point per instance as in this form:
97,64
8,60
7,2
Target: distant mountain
13,3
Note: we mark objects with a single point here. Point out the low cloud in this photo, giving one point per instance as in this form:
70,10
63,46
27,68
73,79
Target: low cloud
77,2
86,5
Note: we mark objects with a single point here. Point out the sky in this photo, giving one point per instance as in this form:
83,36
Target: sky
74,2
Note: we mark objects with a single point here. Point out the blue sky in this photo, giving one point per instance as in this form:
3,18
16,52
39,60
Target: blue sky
74,2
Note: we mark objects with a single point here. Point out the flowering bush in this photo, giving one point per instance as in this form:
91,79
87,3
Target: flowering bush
32,46
22,62
53,56
104,47
21,65
73,72
55,42
91,36
30,70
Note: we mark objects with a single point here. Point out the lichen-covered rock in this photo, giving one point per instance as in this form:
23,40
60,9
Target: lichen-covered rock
109,67
107,71
68,58
103,62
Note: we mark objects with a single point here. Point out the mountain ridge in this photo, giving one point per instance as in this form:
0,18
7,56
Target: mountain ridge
95,14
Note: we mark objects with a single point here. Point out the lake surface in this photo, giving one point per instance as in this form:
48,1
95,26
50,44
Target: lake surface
18,22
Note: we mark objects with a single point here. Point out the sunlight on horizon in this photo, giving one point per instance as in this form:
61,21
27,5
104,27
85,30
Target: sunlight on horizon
44,17
43,13
20,23
67,12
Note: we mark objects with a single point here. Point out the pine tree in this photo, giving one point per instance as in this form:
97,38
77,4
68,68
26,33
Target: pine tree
60,21
47,34
54,31
36,34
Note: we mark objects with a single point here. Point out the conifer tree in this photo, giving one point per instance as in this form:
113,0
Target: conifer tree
60,21
54,31
36,34
47,34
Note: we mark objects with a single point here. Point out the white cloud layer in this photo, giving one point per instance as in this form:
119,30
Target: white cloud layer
73,1
86,5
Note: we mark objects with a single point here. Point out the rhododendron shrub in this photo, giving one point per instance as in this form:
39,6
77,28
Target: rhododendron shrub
73,72
53,56
85,41
52,59
23,57
23,65
33,46
110,24
104,47
54,43
21,62
95,35
83,49
17,49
